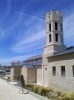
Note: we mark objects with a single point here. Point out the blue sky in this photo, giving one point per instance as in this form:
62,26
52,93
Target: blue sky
23,27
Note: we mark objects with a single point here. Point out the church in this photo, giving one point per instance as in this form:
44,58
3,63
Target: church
55,67
57,61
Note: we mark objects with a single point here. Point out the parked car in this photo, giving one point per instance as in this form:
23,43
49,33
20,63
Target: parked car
2,72
7,72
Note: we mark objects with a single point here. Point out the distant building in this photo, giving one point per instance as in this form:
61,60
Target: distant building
16,70
32,69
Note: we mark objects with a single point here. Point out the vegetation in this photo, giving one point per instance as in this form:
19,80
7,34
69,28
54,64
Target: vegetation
49,92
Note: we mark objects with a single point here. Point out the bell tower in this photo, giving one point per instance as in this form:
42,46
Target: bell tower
54,33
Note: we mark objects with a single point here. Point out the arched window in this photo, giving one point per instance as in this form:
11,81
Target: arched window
61,38
54,71
49,37
49,26
56,37
73,70
63,71
56,26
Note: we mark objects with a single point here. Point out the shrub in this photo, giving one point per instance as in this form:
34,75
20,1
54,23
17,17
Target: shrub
35,88
29,86
72,96
43,91
49,92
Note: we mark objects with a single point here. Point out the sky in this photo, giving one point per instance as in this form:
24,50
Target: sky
23,27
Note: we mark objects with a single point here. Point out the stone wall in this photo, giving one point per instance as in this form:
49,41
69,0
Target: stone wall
59,82
31,75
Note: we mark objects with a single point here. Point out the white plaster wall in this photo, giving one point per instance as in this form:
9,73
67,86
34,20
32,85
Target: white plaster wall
24,73
12,74
39,75
45,74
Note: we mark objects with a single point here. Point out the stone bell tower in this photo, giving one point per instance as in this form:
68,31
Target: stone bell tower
54,34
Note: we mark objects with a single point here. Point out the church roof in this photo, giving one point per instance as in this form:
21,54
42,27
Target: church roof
68,50
35,63
29,66
34,57
18,64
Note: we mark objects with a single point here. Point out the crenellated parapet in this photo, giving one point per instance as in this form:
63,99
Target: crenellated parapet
53,15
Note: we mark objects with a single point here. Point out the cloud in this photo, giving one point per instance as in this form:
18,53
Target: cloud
37,40
30,43
2,34
32,16
16,20
69,29
6,61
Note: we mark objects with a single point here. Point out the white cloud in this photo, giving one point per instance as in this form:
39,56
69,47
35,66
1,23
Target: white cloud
32,16
34,41
69,26
2,34
30,43
16,21
6,61
69,29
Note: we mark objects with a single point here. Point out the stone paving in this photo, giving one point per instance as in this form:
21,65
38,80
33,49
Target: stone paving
10,92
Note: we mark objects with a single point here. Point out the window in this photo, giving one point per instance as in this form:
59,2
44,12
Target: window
63,71
61,27
50,27
56,37
56,26
61,38
73,70
54,71
7,70
49,37
45,68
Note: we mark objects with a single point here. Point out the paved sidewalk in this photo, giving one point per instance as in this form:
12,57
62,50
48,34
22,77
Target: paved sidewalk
10,92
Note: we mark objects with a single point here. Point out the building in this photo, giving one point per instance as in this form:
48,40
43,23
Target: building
32,69
58,61
55,67
15,71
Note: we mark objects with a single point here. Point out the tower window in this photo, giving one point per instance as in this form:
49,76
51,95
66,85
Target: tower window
61,26
50,27
63,71
54,71
56,37
49,37
56,26
73,70
61,38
